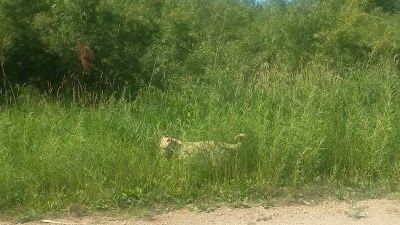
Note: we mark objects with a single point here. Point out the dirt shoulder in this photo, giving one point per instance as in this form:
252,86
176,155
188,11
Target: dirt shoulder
374,211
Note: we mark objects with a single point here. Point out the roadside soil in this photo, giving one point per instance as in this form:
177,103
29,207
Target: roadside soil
373,211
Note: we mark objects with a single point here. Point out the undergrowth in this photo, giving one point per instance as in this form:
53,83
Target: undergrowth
313,128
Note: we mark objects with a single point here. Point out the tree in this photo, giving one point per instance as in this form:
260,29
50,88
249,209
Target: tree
6,37
26,59
116,33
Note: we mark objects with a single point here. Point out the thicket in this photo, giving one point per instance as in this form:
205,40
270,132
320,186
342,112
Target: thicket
88,88
95,47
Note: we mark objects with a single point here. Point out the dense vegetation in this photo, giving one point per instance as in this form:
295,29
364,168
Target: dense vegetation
88,87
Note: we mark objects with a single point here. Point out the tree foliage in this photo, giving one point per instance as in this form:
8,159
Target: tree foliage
111,45
391,6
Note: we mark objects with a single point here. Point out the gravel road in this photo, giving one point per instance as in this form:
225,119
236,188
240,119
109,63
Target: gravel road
373,211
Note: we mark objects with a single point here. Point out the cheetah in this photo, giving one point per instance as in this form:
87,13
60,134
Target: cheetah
172,147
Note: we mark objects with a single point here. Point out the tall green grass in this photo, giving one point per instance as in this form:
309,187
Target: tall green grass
311,128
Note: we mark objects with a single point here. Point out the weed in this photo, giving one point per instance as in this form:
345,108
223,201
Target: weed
301,131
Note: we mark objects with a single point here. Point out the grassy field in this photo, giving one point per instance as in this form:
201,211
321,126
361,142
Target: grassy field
315,128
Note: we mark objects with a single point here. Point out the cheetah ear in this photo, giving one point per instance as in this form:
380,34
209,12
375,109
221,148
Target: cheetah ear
169,139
